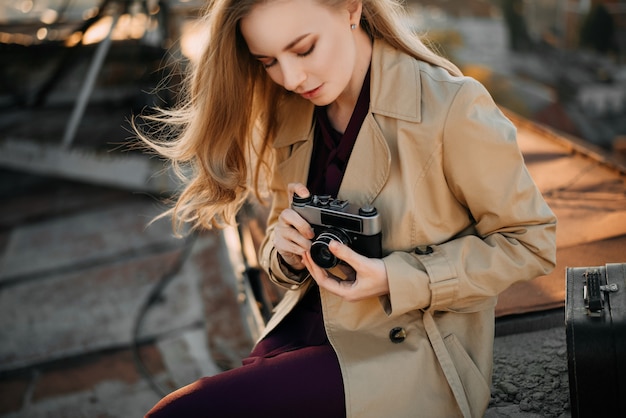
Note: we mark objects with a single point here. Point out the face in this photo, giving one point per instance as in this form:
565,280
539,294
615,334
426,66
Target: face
306,47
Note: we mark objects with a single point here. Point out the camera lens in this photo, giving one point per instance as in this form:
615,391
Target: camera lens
320,252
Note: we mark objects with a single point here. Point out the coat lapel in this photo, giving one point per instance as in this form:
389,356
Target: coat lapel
370,161
295,138
387,98
368,167
295,119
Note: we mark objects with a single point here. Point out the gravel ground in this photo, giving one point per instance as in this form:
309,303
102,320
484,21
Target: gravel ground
530,377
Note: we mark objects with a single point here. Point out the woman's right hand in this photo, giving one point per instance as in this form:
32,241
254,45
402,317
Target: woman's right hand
292,234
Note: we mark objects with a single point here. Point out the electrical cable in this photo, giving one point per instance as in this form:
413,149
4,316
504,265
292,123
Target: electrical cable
154,296
250,273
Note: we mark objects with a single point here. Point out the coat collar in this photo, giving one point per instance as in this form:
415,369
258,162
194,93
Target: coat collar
388,66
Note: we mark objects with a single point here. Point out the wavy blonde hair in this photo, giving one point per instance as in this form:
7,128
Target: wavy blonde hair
227,117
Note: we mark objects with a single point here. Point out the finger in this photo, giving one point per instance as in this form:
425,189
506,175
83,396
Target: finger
322,278
347,254
291,219
295,261
290,240
371,274
343,271
297,188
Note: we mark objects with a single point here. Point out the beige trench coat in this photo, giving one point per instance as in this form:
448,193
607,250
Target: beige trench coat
440,162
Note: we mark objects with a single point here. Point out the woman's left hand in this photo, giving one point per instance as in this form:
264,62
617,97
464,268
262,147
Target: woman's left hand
367,277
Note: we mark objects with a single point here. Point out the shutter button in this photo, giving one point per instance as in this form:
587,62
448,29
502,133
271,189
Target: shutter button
397,335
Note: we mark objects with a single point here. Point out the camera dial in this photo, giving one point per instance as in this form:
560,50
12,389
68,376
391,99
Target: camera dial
368,210
321,200
300,201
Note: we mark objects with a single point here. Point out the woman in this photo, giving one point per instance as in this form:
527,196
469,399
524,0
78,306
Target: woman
338,98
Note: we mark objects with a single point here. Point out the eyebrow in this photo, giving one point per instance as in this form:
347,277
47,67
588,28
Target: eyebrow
286,48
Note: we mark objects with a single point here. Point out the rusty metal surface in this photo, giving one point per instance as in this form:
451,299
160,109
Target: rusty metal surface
586,188
78,262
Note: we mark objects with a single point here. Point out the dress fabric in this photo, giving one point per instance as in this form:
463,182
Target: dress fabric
290,373
294,370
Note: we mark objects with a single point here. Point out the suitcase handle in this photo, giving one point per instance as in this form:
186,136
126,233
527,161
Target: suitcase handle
595,287
594,297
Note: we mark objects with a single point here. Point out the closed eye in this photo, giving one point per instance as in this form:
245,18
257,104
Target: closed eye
308,52
268,63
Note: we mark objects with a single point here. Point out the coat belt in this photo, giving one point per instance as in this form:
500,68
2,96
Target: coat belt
446,363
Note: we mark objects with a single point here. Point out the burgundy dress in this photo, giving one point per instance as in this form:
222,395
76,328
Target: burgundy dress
293,371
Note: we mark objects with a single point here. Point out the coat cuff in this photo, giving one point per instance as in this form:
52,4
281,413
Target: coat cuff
426,281
281,275
408,284
444,281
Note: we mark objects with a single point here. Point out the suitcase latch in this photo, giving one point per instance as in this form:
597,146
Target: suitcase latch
609,288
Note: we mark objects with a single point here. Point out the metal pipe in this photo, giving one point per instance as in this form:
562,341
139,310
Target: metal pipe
87,88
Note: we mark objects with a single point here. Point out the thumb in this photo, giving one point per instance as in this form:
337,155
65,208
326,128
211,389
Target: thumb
345,253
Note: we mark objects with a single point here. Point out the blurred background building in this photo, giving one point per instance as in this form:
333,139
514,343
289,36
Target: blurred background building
574,50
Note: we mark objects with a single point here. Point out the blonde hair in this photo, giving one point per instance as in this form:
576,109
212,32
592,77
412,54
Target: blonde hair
227,116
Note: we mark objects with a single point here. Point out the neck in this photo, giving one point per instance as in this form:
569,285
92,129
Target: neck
340,111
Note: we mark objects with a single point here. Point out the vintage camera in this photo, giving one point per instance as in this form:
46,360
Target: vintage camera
332,219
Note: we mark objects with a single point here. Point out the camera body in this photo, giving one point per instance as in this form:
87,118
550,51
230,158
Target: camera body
333,219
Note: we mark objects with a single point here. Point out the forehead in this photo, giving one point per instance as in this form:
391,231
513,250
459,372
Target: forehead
275,23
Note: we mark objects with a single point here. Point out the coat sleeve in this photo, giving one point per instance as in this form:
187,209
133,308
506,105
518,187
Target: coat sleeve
268,255
515,230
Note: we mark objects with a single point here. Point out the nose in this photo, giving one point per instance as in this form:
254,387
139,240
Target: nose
293,75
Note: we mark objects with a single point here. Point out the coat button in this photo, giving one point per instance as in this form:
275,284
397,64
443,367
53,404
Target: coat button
397,335
424,250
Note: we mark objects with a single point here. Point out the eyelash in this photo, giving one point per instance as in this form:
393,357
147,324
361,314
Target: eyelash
304,54
307,52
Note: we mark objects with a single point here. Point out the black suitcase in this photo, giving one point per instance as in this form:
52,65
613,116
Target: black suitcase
595,325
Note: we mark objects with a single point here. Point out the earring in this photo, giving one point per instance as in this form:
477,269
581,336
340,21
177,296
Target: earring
353,26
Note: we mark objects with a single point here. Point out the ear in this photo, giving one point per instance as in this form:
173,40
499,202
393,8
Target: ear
355,8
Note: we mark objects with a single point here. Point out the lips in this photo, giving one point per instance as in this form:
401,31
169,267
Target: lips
311,93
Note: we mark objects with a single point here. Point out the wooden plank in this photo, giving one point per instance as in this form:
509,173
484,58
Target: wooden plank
90,310
124,170
84,239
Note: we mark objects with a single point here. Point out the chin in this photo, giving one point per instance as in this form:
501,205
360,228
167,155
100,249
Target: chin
321,101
